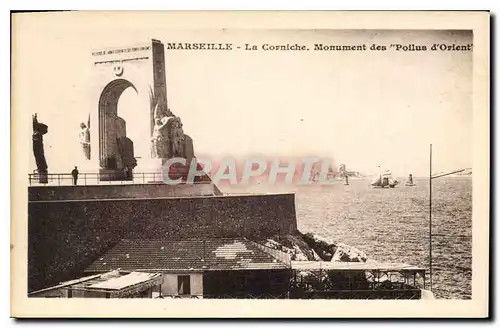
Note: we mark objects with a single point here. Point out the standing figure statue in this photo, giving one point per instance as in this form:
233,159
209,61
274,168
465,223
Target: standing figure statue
168,135
177,137
85,139
39,129
160,139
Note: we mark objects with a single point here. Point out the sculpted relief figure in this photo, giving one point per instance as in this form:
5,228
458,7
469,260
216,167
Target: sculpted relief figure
168,135
160,139
85,139
177,137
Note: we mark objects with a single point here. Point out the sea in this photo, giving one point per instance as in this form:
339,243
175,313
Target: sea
392,224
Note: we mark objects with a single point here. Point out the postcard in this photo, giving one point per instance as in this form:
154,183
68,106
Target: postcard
250,164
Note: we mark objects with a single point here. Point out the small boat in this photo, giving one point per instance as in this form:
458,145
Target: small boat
409,182
384,179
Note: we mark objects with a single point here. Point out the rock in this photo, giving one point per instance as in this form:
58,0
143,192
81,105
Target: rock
328,250
312,247
345,253
296,253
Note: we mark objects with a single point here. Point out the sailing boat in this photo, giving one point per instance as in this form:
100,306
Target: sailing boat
409,182
384,179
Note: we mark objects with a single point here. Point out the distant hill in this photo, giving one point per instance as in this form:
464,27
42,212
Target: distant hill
467,172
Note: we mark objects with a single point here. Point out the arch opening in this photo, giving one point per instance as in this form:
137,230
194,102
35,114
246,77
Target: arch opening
116,149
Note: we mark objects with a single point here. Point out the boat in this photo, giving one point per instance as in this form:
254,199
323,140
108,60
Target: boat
409,182
383,180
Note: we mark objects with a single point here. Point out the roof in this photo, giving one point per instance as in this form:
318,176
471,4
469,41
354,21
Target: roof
186,255
117,283
354,266
120,284
65,284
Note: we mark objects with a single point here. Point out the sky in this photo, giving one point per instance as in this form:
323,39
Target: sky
362,109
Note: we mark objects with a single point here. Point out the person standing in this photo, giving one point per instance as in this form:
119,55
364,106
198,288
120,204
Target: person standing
74,173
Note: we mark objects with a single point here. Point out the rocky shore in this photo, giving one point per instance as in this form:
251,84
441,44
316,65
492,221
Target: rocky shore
313,247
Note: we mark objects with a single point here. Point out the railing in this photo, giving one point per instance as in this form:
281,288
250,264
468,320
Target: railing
360,290
246,296
85,179
178,297
368,294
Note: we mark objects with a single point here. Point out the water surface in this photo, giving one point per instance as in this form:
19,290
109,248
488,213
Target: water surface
393,224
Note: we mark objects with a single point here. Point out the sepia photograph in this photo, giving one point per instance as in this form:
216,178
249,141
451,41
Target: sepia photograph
177,162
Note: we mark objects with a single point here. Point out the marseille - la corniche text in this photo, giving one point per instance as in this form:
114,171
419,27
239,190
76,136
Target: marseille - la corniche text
230,46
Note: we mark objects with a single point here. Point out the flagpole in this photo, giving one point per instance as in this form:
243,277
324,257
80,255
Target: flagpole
430,215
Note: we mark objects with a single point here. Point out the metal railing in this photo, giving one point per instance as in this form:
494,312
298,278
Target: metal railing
346,289
368,294
246,296
86,179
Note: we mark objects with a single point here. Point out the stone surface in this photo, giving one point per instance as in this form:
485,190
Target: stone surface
328,250
123,191
311,247
154,135
142,68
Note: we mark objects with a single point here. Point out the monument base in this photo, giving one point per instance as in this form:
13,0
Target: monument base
153,171
114,175
43,177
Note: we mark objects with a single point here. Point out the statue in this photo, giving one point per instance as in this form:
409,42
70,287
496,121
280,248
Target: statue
160,138
39,129
168,136
126,151
177,137
85,139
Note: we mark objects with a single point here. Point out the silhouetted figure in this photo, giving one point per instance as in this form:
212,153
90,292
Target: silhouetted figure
39,129
74,173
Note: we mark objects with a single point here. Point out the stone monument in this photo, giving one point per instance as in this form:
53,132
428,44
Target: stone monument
39,130
85,138
159,134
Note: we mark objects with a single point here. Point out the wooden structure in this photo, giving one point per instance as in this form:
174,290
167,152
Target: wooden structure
114,284
355,280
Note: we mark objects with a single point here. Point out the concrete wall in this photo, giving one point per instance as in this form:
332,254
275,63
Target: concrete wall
169,287
113,191
65,237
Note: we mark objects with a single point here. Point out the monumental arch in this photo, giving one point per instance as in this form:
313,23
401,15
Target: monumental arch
140,67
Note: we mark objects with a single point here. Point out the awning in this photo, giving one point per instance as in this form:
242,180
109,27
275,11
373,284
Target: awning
129,284
355,266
